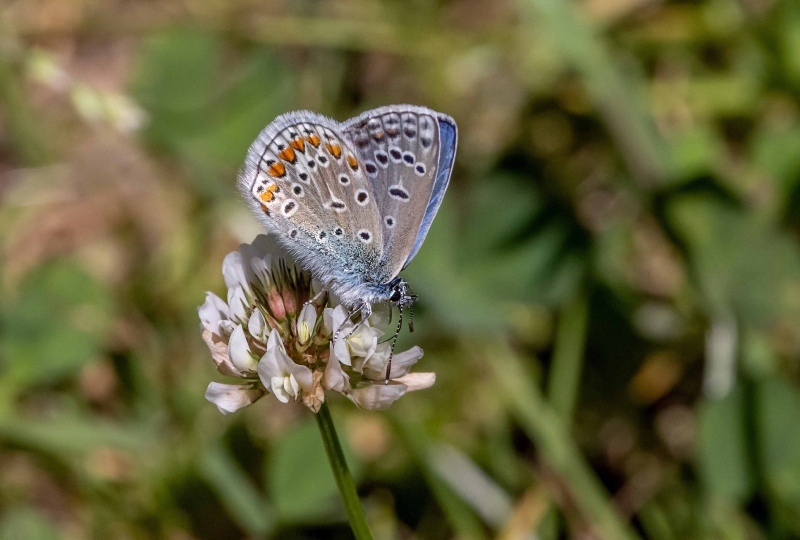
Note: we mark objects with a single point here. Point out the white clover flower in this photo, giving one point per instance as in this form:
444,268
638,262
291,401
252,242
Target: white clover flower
275,334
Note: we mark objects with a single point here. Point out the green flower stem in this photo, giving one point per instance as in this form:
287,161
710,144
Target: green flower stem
347,487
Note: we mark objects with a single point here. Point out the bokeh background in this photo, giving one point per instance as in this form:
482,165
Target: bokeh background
610,294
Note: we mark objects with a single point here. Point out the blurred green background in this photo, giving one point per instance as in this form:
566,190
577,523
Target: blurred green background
610,294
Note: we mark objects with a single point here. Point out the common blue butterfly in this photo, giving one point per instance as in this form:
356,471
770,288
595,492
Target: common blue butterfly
352,201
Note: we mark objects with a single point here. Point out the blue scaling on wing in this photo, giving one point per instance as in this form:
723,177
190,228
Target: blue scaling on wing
448,137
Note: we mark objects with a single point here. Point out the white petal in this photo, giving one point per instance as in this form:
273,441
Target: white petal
231,397
381,314
335,378
277,383
213,310
274,341
233,272
238,305
301,374
257,326
306,324
219,353
375,366
377,397
417,381
239,351
295,387
268,367
327,321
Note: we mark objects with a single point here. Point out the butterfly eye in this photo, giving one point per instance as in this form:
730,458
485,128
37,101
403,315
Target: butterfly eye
396,295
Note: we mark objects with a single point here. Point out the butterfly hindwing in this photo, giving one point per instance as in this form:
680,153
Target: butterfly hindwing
401,148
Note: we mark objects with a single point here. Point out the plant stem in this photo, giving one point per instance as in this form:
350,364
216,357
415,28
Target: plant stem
347,487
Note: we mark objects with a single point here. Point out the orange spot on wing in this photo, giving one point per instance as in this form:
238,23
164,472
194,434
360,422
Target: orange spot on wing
287,154
334,149
298,144
313,139
269,194
277,169
353,162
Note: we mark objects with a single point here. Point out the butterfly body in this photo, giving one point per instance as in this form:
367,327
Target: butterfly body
352,201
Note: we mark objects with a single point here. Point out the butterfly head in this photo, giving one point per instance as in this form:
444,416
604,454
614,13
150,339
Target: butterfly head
401,293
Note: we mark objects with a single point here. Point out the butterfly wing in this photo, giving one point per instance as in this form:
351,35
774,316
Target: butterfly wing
304,181
408,153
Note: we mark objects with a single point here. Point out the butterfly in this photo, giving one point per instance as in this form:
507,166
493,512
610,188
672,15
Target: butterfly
352,201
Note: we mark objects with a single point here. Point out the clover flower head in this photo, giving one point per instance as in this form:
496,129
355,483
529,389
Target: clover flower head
275,333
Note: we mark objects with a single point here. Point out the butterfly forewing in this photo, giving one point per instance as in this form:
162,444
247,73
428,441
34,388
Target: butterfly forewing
400,149
309,187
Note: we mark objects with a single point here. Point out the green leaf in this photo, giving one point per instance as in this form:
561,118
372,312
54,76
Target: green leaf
299,476
723,453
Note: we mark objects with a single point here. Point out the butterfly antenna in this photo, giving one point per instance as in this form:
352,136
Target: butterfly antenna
394,342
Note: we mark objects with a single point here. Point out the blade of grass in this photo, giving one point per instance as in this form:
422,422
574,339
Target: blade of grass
565,372
545,428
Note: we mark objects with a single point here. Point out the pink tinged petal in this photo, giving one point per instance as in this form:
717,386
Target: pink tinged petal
230,398
257,326
219,353
239,351
377,397
212,312
238,305
375,366
417,381
335,378
306,324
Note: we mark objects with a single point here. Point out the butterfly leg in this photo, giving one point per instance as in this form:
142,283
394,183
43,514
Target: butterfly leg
394,342
315,298
365,309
